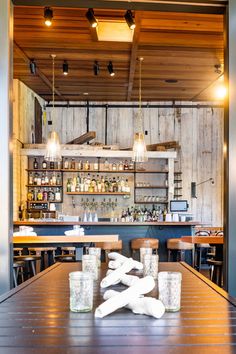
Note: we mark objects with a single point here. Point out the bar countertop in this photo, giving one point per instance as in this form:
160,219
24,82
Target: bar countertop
107,223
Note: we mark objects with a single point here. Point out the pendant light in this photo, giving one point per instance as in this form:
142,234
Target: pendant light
53,148
139,147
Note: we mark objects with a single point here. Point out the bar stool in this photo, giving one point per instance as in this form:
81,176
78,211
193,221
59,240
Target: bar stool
199,247
215,271
47,255
180,247
18,269
30,261
138,243
109,246
65,258
68,250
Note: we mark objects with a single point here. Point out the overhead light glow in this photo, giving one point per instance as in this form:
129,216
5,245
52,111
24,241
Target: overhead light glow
110,69
220,92
91,18
65,68
130,20
48,16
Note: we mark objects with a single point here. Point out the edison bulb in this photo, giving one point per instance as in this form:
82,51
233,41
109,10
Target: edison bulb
220,92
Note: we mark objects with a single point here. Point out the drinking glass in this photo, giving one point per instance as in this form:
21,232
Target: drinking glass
96,251
150,265
89,265
81,292
169,286
143,251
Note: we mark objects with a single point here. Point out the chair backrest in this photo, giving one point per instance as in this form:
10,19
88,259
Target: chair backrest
220,233
202,233
138,243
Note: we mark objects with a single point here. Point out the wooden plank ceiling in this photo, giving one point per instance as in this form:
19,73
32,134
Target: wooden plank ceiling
175,46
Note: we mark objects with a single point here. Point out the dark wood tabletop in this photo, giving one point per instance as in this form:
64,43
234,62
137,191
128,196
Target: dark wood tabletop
35,318
214,240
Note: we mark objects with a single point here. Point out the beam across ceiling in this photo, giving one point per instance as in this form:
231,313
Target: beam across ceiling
190,6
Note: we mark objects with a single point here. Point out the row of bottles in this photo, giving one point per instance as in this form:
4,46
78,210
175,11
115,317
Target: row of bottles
46,194
96,166
143,214
97,184
45,165
45,178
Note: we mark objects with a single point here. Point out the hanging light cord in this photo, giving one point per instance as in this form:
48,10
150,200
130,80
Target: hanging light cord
53,84
140,128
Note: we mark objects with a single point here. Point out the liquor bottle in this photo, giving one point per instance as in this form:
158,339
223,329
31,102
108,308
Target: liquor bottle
54,179
126,166
72,165
39,181
35,194
58,195
46,179
96,166
45,195
40,195
131,165
127,187
51,165
31,180
106,165
87,166
58,181
35,164
43,179
35,178
68,185
51,195
120,166
80,165
30,195
66,164
44,164
114,167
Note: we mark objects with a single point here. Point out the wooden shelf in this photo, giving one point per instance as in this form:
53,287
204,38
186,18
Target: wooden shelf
150,202
152,187
43,201
97,193
43,170
98,171
151,171
43,185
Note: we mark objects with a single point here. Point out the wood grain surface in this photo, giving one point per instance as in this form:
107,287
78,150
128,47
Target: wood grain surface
63,239
35,318
216,240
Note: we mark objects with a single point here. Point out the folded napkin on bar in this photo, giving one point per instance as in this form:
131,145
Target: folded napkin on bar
142,286
75,232
117,259
126,279
141,305
117,274
24,233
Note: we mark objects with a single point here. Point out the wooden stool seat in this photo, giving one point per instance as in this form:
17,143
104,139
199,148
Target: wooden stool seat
179,246
30,259
18,268
138,243
215,271
109,246
65,258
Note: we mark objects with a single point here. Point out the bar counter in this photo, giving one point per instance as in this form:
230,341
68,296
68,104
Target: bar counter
126,230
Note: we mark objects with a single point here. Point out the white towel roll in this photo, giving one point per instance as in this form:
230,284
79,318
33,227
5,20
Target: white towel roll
142,286
126,279
141,305
117,259
113,277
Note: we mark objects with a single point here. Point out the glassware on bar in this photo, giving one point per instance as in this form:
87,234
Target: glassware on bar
96,251
81,292
169,287
150,265
89,265
143,251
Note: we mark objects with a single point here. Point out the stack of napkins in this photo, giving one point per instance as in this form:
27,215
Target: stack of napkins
25,231
75,232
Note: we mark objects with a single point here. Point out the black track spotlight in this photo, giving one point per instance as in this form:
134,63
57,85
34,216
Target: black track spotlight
91,18
48,16
65,68
130,20
32,66
110,68
96,68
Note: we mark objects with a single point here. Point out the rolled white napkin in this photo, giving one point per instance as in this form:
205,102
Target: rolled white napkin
126,279
24,233
113,277
117,259
142,286
76,232
141,305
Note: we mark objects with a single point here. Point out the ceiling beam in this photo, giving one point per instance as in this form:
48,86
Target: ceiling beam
133,56
192,6
43,77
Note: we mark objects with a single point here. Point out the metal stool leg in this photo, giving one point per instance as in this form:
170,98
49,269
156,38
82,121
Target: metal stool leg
33,267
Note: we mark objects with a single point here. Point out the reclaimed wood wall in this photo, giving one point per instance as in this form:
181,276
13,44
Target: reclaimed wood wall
198,130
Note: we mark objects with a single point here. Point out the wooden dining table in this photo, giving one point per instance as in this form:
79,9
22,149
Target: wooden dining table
65,241
35,319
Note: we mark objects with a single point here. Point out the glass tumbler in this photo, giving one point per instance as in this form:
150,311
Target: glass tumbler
81,292
143,251
150,265
169,286
96,251
89,265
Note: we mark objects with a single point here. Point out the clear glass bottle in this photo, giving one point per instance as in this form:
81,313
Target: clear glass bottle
126,165
68,185
31,179
120,166
72,165
106,165
66,164
114,166
44,164
58,195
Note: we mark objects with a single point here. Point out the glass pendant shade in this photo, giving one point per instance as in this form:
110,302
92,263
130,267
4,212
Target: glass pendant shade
139,148
53,148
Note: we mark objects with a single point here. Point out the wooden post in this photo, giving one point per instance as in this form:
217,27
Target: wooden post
6,204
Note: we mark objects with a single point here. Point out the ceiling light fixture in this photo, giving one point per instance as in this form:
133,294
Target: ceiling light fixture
139,147
110,69
91,18
48,16
96,68
130,19
53,148
65,68
32,66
